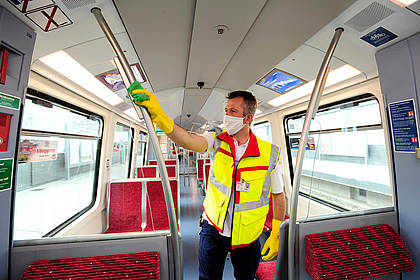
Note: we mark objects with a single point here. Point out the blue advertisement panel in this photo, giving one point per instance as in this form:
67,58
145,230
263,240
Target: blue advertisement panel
280,81
404,126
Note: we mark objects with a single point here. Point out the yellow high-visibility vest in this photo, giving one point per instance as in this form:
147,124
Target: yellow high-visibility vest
252,194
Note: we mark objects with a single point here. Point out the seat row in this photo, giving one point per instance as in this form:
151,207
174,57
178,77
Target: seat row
136,205
203,168
152,170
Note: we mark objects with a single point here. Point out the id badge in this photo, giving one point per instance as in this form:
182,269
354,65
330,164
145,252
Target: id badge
242,186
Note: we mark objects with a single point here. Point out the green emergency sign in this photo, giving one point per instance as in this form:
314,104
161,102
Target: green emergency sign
6,171
9,101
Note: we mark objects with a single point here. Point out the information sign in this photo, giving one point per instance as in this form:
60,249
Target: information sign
404,126
6,172
9,101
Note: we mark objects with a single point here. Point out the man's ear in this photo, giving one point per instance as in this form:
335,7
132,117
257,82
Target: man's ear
248,119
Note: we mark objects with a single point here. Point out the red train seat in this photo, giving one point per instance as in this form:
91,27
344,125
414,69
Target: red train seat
172,172
170,161
124,209
157,218
200,169
266,270
206,173
167,162
144,265
147,172
357,253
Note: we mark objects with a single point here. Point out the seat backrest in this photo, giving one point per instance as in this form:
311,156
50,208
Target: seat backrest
170,161
152,162
124,206
200,169
172,171
147,172
206,172
208,160
157,215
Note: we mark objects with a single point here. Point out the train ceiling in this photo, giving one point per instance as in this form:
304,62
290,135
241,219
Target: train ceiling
228,45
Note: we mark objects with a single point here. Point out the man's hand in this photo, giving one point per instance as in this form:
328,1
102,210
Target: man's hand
148,100
272,242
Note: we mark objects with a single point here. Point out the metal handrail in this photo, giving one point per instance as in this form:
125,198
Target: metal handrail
310,114
142,112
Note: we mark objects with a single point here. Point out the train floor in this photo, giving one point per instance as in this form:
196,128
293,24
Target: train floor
191,199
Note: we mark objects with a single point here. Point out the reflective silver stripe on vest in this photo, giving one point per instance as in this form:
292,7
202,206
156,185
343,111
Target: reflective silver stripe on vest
212,179
264,199
222,188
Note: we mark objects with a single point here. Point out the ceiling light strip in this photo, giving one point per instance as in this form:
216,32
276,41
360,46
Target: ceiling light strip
64,64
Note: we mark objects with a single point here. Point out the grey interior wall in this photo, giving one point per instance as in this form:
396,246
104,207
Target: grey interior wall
399,73
19,40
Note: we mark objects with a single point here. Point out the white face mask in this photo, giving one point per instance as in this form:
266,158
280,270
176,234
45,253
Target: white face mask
233,124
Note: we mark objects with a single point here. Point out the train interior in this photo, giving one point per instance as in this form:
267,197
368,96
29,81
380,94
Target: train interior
81,158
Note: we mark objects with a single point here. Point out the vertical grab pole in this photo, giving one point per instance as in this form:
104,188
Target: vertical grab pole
142,112
310,114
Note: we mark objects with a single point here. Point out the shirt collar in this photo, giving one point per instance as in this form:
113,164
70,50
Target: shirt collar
251,151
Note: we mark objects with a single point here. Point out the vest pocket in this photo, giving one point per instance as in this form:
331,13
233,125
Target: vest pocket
251,226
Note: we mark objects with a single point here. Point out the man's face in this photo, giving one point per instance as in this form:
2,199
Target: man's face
236,107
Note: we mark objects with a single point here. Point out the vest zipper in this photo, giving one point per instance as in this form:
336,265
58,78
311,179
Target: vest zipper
234,197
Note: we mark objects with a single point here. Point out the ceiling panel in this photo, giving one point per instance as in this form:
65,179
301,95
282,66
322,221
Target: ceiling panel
84,29
171,101
357,52
210,52
281,27
161,34
96,55
194,99
214,108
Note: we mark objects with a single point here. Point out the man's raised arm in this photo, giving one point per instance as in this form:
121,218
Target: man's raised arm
180,136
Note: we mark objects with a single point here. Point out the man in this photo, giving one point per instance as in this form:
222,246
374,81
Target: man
243,173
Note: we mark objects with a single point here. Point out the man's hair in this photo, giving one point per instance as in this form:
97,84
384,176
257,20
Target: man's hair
249,99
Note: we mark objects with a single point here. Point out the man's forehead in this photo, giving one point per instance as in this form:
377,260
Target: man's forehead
237,102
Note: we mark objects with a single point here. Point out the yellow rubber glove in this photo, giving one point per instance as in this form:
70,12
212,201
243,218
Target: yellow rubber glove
145,98
272,242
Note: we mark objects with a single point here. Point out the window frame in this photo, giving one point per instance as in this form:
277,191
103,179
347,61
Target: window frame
32,94
144,148
325,107
131,137
263,122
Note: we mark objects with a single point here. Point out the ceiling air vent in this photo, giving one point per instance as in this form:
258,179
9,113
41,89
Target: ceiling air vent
369,16
74,4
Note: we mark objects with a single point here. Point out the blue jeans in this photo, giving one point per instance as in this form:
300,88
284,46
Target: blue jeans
212,252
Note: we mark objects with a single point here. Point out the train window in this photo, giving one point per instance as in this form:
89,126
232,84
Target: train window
262,130
121,153
57,166
345,165
141,149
